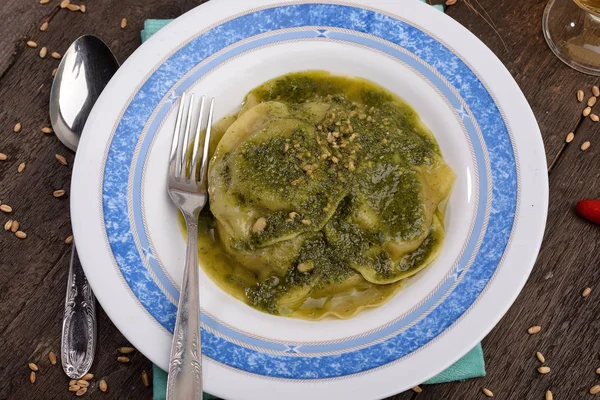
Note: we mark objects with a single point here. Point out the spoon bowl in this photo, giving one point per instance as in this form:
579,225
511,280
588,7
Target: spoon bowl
84,71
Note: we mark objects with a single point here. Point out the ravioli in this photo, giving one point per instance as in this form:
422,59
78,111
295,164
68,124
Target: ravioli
326,193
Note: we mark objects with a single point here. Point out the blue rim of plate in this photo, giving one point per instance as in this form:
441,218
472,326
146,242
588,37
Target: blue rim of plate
474,105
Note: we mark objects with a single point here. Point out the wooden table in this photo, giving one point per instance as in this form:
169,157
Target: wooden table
33,272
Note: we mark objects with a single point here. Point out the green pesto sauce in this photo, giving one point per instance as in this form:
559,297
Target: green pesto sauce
347,146
393,192
327,271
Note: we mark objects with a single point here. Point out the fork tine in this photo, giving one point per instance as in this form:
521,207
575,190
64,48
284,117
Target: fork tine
175,143
186,138
181,147
203,168
197,139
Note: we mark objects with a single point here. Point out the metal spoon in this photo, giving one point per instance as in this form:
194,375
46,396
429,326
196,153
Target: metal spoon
84,71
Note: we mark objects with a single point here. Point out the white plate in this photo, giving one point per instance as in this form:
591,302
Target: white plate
132,249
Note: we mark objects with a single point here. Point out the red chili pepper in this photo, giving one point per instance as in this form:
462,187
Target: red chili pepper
590,210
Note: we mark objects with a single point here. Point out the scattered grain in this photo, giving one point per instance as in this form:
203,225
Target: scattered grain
540,357
83,383
61,159
103,386
534,329
73,382
32,377
145,379
450,2
549,395
598,371
43,52
21,167
55,55
33,367
123,360
592,101
74,388
54,71
587,111
81,392
595,389
487,392
58,193
64,3
52,358
8,225
88,377
585,145
32,44
15,226
594,117
417,389
17,127
73,7
82,8
543,370
586,292
44,1
3,156
306,221
20,234
123,23
5,208
259,225
44,26
126,350
69,239
595,91
570,137
580,95
47,129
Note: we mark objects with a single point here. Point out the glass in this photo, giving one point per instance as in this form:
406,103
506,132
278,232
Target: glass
572,30
592,6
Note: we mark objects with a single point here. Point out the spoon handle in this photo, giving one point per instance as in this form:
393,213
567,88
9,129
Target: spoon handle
79,322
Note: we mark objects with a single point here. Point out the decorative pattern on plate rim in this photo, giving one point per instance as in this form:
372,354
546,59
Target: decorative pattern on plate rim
253,342
501,221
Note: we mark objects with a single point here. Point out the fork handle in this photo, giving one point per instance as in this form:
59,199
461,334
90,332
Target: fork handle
185,367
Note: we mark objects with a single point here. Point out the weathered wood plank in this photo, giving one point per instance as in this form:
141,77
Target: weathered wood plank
34,271
20,20
33,278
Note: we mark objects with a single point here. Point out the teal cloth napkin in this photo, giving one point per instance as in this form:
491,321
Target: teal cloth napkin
472,365
151,26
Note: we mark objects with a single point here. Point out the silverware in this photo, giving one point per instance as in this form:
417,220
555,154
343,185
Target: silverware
188,189
84,71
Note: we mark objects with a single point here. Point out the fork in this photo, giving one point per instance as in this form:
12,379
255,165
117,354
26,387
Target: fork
187,188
